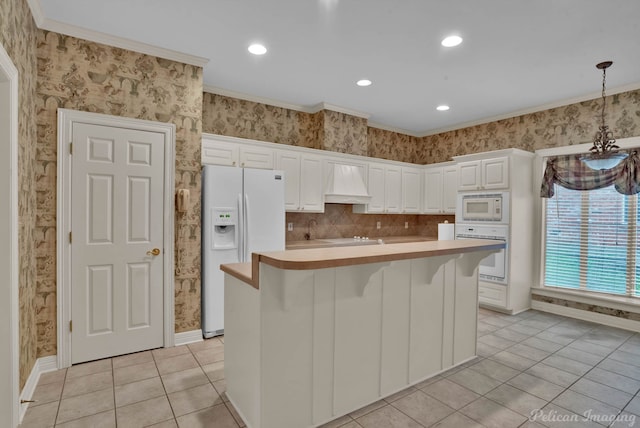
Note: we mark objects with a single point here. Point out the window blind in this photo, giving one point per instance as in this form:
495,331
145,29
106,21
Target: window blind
591,241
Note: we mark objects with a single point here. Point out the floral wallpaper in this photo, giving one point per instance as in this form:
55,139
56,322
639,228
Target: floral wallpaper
247,119
81,75
561,126
394,146
344,133
18,37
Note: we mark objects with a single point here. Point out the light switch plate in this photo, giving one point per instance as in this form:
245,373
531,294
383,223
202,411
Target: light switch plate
406,225
290,227
377,225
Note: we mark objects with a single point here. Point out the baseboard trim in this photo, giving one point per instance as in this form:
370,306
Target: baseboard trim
586,315
42,365
188,337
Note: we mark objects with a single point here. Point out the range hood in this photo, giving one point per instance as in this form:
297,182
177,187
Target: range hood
346,186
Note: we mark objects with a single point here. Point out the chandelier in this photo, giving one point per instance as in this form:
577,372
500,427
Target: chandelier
604,153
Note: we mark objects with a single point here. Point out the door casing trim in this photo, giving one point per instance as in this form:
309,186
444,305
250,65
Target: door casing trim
12,411
66,119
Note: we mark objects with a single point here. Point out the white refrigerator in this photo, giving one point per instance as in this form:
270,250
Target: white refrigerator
242,213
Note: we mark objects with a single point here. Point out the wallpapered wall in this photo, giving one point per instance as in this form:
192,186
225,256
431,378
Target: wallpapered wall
81,75
18,37
562,126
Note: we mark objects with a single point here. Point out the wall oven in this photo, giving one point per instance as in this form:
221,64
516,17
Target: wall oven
483,207
494,267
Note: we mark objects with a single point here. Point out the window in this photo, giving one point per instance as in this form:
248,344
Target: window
591,241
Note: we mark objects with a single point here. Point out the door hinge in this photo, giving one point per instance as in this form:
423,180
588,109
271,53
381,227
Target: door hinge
69,237
70,325
70,148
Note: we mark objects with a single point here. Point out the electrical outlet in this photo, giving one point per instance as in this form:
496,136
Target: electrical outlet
406,225
290,227
377,225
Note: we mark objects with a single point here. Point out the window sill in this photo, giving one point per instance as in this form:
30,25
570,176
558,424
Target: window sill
624,303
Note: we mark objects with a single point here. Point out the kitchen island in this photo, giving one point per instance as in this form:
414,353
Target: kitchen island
311,335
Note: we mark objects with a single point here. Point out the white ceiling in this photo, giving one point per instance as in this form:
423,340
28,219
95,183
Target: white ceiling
517,56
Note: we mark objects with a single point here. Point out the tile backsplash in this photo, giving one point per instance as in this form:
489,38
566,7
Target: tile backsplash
339,221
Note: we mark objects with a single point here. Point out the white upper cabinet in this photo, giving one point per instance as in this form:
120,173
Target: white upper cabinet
484,174
220,153
303,181
411,190
440,189
375,186
289,162
256,157
229,153
433,190
392,189
311,184
449,188
495,173
384,184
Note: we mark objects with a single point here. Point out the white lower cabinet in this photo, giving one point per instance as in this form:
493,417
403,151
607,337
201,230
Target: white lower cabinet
492,294
303,181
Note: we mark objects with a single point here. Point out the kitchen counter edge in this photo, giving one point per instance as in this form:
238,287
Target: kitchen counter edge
322,258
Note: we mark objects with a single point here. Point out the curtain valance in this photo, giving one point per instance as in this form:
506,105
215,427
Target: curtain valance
570,172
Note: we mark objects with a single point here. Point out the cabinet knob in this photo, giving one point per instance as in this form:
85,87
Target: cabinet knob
233,163
302,208
242,163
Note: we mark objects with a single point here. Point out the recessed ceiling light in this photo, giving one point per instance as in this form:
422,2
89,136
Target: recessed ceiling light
363,82
451,41
257,49
442,107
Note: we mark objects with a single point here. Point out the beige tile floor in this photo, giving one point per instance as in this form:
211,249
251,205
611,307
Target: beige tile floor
562,370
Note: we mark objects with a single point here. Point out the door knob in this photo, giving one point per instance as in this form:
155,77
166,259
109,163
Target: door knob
153,252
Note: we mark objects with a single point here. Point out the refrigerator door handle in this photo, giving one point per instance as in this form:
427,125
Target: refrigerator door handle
239,230
247,235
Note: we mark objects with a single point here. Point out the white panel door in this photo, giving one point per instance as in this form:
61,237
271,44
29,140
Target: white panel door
117,198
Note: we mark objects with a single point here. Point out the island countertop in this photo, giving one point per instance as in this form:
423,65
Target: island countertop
320,258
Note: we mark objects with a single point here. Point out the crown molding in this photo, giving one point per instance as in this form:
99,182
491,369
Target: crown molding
325,106
36,12
107,39
262,100
269,101
549,106
394,129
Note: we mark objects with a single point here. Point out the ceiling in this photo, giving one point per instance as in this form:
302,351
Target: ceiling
517,56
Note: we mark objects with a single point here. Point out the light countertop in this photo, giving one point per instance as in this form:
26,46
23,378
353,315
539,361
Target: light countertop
331,242
321,258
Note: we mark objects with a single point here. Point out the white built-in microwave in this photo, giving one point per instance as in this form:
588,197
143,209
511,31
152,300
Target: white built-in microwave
483,207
